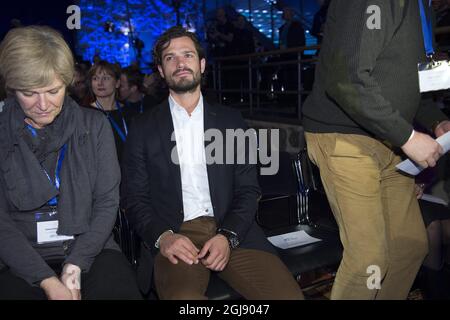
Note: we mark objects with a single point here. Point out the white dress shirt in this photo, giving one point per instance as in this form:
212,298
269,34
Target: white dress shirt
190,142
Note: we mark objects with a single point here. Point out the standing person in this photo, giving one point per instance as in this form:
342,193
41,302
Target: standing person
358,123
291,33
195,218
58,197
221,35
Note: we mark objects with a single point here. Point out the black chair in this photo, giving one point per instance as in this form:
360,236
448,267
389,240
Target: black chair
309,212
290,200
130,244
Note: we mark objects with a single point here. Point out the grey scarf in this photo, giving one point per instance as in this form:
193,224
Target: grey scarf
27,185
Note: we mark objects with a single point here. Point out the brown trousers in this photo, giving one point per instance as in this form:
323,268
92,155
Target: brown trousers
255,274
380,224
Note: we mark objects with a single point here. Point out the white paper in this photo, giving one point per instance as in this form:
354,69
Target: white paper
431,198
292,239
437,78
414,169
46,232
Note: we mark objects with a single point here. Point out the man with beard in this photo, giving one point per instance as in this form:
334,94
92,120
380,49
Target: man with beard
195,217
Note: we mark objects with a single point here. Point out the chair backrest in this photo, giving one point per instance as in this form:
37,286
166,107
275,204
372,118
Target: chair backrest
278,205
284,182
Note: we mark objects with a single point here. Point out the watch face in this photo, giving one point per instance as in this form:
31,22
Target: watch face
234,242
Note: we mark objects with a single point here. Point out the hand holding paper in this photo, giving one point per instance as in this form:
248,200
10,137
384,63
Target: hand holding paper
422,149
414,169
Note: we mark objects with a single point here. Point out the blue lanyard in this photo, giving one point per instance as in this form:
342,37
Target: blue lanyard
57,183
122,135
427,29
32,130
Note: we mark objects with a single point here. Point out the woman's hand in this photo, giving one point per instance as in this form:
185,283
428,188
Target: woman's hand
71,278
419,188
55,289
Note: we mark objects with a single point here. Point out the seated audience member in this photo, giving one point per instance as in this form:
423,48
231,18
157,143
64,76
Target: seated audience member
195,218
79,88
58,197
104,80
436,216
131,93
155,89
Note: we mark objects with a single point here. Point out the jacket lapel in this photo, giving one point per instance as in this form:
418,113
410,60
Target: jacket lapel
166,131
210,122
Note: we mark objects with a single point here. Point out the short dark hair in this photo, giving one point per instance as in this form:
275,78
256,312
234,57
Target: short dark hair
173,33
134,77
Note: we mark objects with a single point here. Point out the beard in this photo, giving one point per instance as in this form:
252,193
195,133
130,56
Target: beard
184,85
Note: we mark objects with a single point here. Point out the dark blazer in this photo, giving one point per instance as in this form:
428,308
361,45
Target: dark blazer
151,184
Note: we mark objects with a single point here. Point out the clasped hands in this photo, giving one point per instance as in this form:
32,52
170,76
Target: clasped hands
214,255
67,287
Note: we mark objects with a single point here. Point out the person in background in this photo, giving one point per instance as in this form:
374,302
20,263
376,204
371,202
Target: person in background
104,80
221,35
79,88
319,20
433,277
291,32
58,196
154,88
131,93
243,40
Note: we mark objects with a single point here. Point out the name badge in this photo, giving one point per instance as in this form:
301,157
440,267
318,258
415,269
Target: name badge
434,76
47,227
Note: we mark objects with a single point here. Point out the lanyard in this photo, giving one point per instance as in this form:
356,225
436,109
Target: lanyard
122,135
426,29
57,183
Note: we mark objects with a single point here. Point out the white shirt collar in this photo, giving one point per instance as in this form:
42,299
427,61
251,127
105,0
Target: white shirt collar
176,108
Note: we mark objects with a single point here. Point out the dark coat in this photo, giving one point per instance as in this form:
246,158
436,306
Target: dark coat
89,182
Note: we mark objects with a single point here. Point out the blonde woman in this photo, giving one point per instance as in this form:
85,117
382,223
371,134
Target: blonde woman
58,197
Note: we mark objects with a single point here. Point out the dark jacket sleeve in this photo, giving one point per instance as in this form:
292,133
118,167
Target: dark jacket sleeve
350,82
136,196
16,252
246,191
105,199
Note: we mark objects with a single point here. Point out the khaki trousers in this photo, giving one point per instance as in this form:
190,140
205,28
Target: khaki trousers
255,274
380,224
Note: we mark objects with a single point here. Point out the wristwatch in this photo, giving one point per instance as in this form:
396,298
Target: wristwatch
232,237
